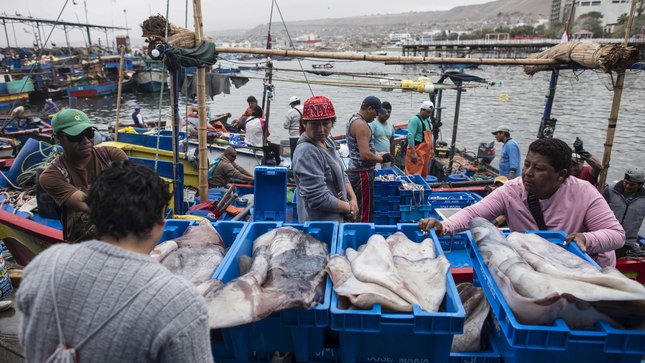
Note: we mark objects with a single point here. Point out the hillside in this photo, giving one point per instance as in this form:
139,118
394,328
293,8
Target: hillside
469,17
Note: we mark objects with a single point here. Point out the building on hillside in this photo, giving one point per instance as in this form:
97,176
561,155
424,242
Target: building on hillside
402,38
610,9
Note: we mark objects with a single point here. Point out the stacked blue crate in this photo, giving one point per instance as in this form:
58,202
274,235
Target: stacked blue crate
557,343
414,203
294,330
384,336
386,198
440,199
270,193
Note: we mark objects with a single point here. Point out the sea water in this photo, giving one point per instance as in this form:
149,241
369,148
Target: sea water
582,105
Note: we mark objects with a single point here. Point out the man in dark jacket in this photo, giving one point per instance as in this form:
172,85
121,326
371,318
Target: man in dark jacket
627,199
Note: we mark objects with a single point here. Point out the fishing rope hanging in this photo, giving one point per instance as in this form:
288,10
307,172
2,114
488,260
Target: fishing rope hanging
291,44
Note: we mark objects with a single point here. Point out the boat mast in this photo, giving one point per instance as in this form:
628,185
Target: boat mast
118,94
615,107
267,94
201,107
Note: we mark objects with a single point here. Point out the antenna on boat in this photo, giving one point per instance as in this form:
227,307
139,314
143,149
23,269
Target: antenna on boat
267,94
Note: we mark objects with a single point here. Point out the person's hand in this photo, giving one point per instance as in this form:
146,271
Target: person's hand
415,158
578,238
426,223
353,210
387,158
579,149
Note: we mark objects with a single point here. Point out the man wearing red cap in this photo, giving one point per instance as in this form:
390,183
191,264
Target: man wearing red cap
363,157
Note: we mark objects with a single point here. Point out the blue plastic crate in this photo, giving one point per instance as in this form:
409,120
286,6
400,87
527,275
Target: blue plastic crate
386,188
387,203
415,197
386,218
384,336
174,228
490,353
294,330
270,193
440,199
413,213
556,343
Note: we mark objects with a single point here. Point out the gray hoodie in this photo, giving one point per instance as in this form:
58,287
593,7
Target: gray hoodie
312,168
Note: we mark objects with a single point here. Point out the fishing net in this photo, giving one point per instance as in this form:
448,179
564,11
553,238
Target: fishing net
604,57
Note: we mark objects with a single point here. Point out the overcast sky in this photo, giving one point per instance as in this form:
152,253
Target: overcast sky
217,15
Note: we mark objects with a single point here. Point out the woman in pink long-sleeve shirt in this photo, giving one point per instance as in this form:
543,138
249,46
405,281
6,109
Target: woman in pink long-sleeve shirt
567,204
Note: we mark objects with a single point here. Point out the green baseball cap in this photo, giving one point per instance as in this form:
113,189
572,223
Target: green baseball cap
71,121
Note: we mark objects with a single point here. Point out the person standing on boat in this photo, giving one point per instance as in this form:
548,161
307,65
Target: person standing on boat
579,169
363,156
69,176
626,199
509,162
324,191
383,133
253,128
293,122
420,150
137,117
49,108
225,168
253,102
107,300
546,197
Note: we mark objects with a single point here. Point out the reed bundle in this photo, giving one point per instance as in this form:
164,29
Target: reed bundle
605,57
154,29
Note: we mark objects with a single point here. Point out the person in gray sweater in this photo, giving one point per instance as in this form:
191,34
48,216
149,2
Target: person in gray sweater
626,198
324,192
107,300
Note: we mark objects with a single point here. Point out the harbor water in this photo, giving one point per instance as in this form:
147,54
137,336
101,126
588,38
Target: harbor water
582,105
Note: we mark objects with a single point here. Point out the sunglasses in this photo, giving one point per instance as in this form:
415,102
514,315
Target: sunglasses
88,133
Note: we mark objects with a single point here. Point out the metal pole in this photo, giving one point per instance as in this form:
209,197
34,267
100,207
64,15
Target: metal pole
6,33
15,40
69,49
454,127
615,108
547,125
269,88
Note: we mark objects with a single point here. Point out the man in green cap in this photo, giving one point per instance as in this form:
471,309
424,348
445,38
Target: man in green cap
69,176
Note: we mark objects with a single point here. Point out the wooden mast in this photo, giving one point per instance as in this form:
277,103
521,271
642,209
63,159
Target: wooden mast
118,94
201,107
615,108
388,58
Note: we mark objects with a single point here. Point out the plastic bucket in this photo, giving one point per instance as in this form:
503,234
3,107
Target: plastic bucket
456,178
32,153
432,179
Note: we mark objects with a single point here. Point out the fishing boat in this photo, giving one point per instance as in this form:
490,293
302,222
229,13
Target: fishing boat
322,66
151,77
14,91
102,79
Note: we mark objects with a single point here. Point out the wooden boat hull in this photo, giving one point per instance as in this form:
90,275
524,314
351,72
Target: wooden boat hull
151,80
102,89
7,100
26,238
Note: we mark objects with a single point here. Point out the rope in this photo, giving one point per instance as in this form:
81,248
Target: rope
292,47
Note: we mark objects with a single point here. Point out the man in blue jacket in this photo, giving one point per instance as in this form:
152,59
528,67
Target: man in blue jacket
627,200
509,163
